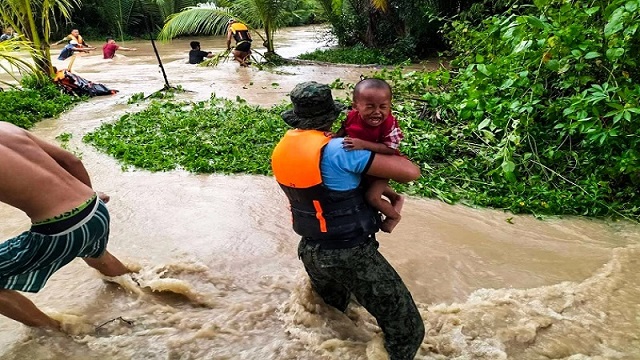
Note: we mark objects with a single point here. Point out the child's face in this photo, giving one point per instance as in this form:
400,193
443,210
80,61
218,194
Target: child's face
374,105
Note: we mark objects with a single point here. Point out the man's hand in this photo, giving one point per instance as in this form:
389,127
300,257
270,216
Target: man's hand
104,197
350,143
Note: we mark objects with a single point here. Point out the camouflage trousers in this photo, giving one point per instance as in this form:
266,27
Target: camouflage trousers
336,274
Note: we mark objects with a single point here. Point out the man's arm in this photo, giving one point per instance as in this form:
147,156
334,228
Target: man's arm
64,158
229,34
393,167
81,49
63,40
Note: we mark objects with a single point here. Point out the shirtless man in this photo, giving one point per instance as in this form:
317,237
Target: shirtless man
68,218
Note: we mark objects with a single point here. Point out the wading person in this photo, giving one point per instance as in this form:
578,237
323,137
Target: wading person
109,49
7,34
240,33
339,250
196,55
68,218
70,49
74,36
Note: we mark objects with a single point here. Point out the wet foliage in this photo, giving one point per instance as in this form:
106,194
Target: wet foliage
36,101
359,55
213,136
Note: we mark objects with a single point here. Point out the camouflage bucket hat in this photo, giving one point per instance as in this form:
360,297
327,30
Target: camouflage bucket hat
313,107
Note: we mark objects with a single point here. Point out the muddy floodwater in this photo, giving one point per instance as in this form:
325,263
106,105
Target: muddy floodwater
219,277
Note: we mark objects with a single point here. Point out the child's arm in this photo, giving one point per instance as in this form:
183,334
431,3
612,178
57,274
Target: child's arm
350,143
340,133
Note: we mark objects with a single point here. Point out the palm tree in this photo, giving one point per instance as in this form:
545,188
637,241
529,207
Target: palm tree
10,60
33,20
369,9
210,19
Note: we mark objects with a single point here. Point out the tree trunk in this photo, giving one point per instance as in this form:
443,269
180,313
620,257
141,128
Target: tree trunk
42,55
269,41
370,35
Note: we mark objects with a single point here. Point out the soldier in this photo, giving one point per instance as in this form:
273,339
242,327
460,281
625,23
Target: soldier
322,181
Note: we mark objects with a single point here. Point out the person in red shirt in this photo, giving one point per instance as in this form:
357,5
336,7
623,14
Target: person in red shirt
109,49
371,126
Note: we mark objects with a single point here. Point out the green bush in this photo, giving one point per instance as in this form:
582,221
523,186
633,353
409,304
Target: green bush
36,101
358,55
540,113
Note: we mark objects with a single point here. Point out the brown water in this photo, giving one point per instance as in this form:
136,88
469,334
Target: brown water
220,278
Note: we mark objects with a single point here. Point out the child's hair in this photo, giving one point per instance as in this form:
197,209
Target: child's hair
371,83
195,45
109,38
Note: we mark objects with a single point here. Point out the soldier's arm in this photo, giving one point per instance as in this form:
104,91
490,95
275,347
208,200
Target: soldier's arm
393,167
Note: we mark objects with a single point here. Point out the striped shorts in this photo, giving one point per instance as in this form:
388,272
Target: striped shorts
28,260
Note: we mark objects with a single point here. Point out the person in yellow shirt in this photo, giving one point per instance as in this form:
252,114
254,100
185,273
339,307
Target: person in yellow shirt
240,33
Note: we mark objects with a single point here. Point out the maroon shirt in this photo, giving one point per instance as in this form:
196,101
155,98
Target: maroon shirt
387,133
109,50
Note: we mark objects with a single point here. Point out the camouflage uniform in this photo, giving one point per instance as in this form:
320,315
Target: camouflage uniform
362,271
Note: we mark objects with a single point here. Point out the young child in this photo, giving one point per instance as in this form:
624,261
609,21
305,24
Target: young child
371,126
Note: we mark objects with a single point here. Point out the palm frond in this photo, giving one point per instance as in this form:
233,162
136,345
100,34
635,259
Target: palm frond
381,5
11,60
204,19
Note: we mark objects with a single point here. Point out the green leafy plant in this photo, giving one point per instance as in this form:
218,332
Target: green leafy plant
358,54
213,136
539,114
38,100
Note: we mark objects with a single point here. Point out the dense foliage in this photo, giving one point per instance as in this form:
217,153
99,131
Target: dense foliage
124,18
403,28
35,102
541,113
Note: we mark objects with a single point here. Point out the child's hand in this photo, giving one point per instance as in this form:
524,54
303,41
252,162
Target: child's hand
329,134
350,143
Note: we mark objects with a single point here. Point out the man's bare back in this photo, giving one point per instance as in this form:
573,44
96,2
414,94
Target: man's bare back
45,181
39,178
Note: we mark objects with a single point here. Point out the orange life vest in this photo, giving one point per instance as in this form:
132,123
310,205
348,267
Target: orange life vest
318,212
240,32
78,39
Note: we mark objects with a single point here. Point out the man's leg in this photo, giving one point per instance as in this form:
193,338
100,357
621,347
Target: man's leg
238,56
107,264
17,307
333,293
380,290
